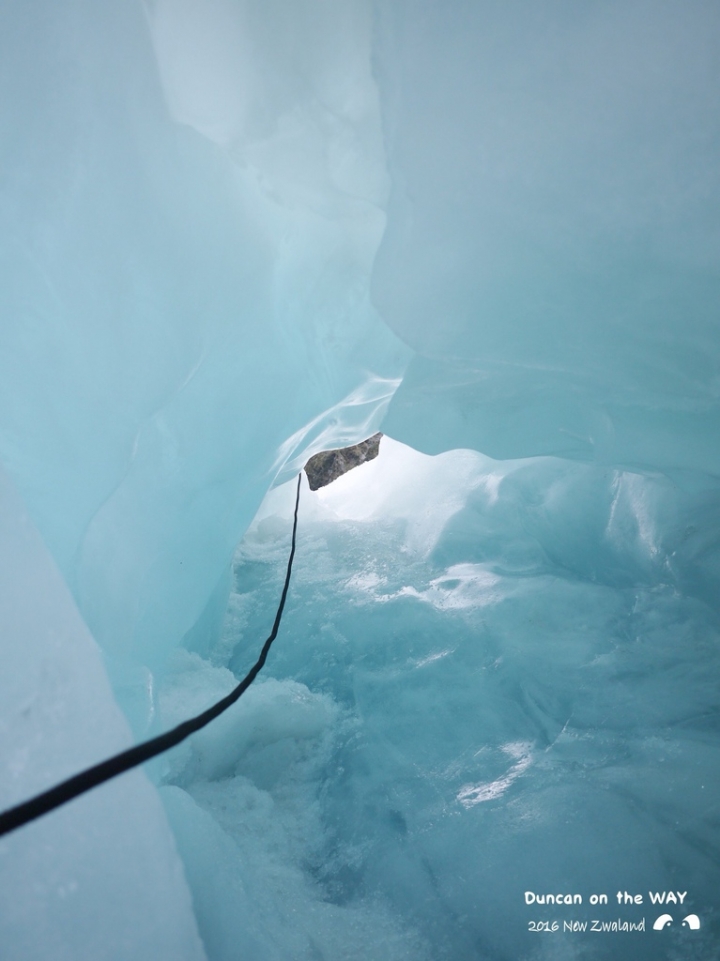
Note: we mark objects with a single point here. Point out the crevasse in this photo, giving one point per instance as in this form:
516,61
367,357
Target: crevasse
236,233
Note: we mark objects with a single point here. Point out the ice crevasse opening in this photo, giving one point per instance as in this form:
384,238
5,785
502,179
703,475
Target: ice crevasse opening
235,234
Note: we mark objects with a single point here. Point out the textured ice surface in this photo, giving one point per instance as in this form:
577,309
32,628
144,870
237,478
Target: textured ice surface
489,680
100,878
226,228
245,802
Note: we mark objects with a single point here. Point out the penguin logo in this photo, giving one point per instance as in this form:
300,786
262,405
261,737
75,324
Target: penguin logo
692,921
662,922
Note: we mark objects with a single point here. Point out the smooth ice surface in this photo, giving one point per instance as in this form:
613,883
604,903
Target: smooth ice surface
552,250
492,677
177,300
100,878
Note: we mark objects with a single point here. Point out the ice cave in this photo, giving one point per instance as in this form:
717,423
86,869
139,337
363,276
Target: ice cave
237,233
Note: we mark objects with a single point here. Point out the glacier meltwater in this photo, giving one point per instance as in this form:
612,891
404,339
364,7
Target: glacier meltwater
235,233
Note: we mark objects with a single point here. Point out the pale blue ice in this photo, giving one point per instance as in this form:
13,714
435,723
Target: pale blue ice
234,233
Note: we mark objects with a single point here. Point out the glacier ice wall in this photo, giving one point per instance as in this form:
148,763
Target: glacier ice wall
180,296
229,228
552,247
177,300
102,876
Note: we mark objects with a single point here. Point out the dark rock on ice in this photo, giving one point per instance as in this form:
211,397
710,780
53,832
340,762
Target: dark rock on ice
327,465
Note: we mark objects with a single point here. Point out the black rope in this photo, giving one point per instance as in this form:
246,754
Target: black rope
41,804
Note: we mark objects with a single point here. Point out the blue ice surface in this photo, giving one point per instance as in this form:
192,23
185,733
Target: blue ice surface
235,233
488,682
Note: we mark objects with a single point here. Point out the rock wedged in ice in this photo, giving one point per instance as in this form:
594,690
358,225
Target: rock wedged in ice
326,466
